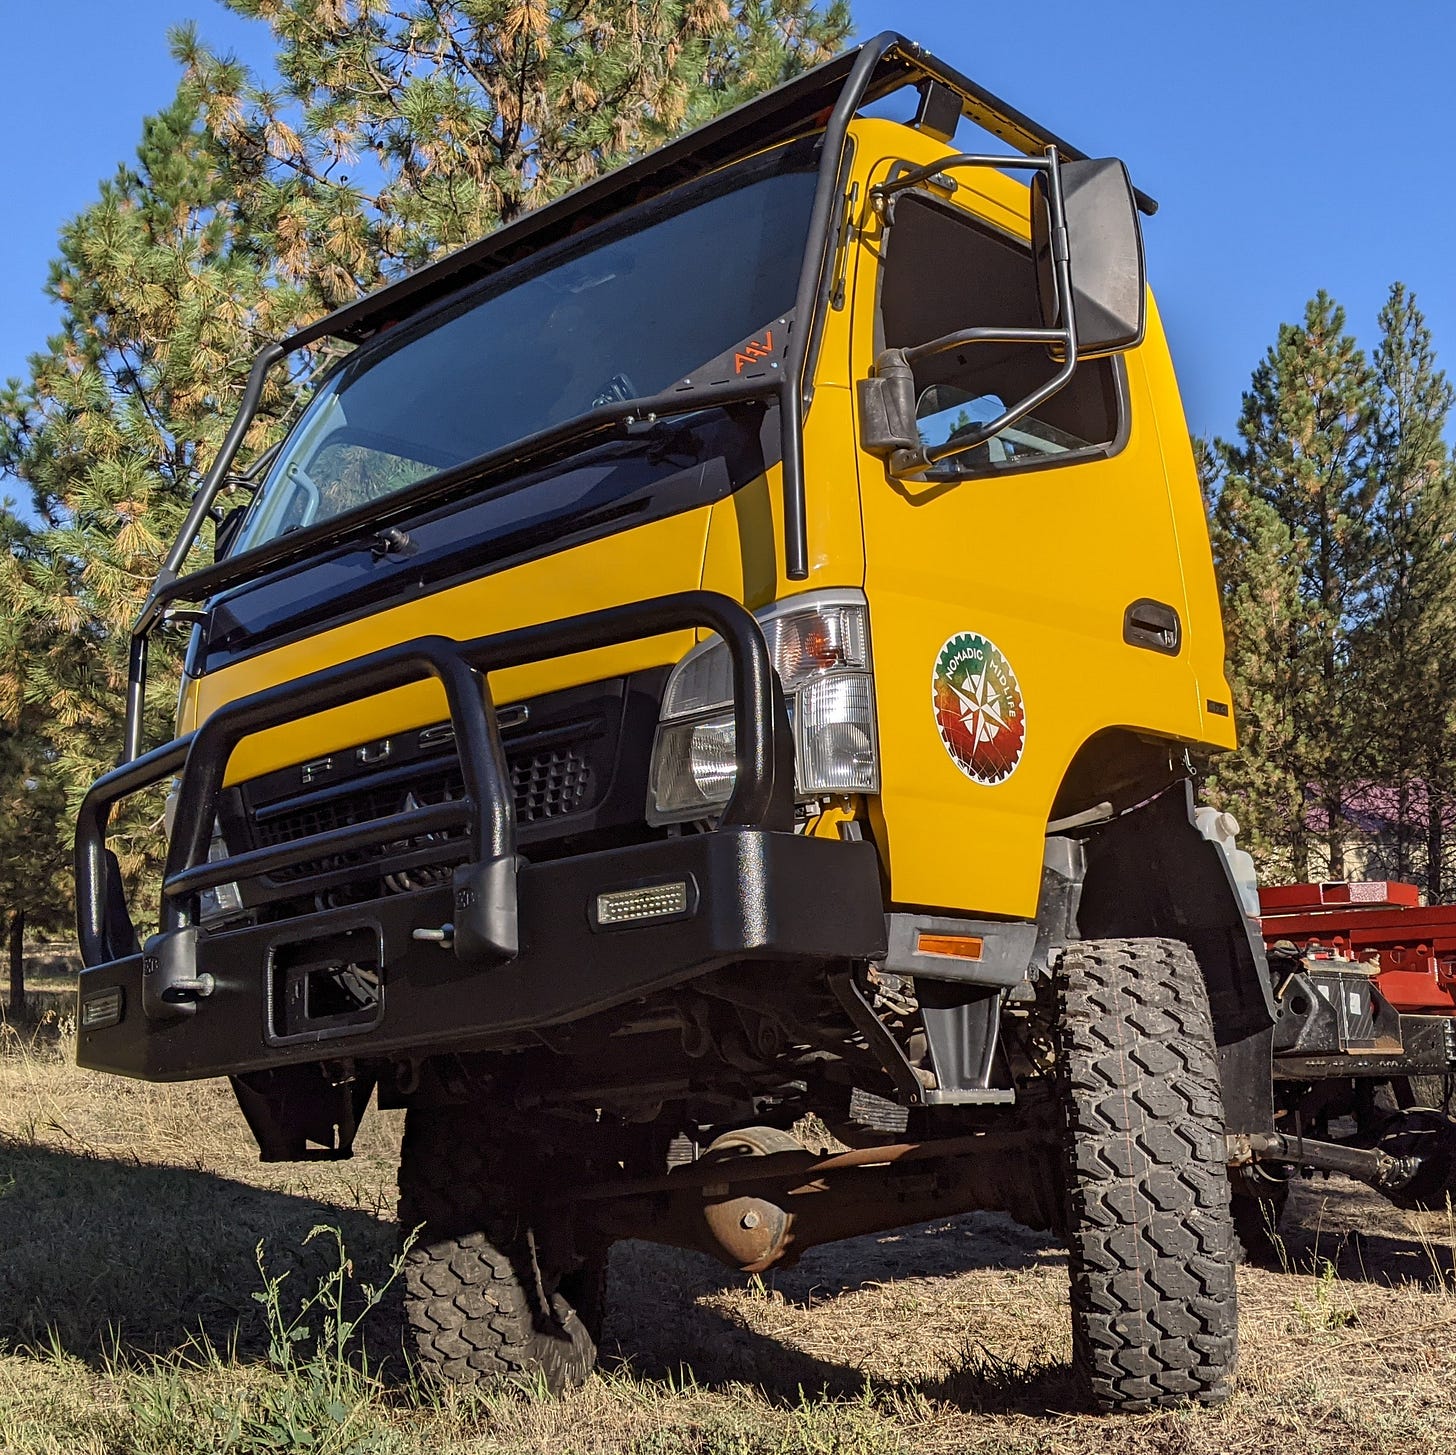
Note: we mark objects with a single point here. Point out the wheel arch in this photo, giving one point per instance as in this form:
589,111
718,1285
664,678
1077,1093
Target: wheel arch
1149,873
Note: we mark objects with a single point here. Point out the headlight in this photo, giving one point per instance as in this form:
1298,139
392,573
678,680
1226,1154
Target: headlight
223,899
819,645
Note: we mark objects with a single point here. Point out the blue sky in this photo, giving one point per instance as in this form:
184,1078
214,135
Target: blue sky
1293,145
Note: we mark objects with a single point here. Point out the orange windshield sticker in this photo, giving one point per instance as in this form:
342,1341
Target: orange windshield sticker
753,351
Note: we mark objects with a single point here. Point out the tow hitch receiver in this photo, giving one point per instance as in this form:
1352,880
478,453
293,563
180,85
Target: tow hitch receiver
327,985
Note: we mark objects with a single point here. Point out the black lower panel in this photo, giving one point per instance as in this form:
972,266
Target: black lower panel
357,982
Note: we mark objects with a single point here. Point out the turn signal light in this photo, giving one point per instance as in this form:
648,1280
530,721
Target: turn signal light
952,947
819,645
102,1009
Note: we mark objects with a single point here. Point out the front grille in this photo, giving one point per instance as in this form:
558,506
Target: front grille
547,783
578,762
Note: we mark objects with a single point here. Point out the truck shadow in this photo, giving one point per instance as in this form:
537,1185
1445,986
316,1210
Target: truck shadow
1334,1222
110,1258
107,1257
839,1321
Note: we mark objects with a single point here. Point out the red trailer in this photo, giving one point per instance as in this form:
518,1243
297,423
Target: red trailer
1363,985
1409,947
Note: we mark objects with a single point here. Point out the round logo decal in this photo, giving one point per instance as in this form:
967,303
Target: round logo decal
978,708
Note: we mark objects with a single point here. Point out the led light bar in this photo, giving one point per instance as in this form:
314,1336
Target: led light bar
648,902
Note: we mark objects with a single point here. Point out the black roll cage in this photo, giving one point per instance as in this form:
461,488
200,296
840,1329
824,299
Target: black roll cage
826,98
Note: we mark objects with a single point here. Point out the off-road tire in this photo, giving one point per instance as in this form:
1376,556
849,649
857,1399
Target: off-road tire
1154,1316
479,1302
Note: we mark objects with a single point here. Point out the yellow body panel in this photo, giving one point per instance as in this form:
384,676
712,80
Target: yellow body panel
654,559
745,557
1043,563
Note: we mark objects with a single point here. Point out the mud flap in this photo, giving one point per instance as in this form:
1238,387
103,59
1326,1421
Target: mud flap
1151,873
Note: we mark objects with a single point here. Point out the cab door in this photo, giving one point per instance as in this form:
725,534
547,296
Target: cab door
1016,592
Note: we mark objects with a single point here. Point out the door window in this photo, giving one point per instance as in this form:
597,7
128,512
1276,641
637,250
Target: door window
945,272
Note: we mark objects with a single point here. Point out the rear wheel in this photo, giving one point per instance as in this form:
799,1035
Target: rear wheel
486,1297
1429,1135
1154,1318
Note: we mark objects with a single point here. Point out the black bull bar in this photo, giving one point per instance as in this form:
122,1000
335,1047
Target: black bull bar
753,889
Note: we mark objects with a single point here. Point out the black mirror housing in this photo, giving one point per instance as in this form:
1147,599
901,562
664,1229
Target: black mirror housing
1105,246
887,407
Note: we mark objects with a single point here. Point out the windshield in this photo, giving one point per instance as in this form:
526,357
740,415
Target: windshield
627,310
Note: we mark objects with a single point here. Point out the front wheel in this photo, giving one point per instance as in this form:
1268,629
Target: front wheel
1154,1318
485,1298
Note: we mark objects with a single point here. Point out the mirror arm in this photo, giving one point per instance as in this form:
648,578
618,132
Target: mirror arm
911,462
920,458
882,195
948,342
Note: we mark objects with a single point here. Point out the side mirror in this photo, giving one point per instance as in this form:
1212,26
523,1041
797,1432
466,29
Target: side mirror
1105,248
227,528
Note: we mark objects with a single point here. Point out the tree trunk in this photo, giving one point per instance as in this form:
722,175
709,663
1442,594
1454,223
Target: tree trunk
1335,839
17,964
1435,849
1404,838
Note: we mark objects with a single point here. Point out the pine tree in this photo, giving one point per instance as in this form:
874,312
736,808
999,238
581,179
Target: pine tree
34,836
404,128
1294,543
1405,660
1258,562
163,305
398,131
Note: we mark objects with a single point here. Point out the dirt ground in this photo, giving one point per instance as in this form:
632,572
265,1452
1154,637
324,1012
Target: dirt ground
133,1219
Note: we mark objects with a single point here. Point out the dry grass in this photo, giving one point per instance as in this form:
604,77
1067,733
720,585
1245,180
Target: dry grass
130,1215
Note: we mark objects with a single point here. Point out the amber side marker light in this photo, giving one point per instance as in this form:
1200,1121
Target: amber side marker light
951,947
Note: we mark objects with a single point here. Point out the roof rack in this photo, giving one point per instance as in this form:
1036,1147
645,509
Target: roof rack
792,109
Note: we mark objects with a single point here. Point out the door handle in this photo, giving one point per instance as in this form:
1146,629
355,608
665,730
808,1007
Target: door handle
1154,625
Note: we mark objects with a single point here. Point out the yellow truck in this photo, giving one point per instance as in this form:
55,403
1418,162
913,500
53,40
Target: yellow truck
733,645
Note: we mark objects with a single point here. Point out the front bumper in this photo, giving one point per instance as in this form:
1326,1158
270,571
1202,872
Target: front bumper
753,895
515,945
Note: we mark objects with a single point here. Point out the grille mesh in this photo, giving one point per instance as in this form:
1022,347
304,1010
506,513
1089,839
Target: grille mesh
546,784
549,784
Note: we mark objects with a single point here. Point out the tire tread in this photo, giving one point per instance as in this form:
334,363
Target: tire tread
1154,1315
477,1308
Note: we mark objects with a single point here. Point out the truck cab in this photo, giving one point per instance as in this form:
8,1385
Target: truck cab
732,645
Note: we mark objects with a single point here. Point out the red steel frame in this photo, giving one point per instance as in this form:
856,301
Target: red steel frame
1377,923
